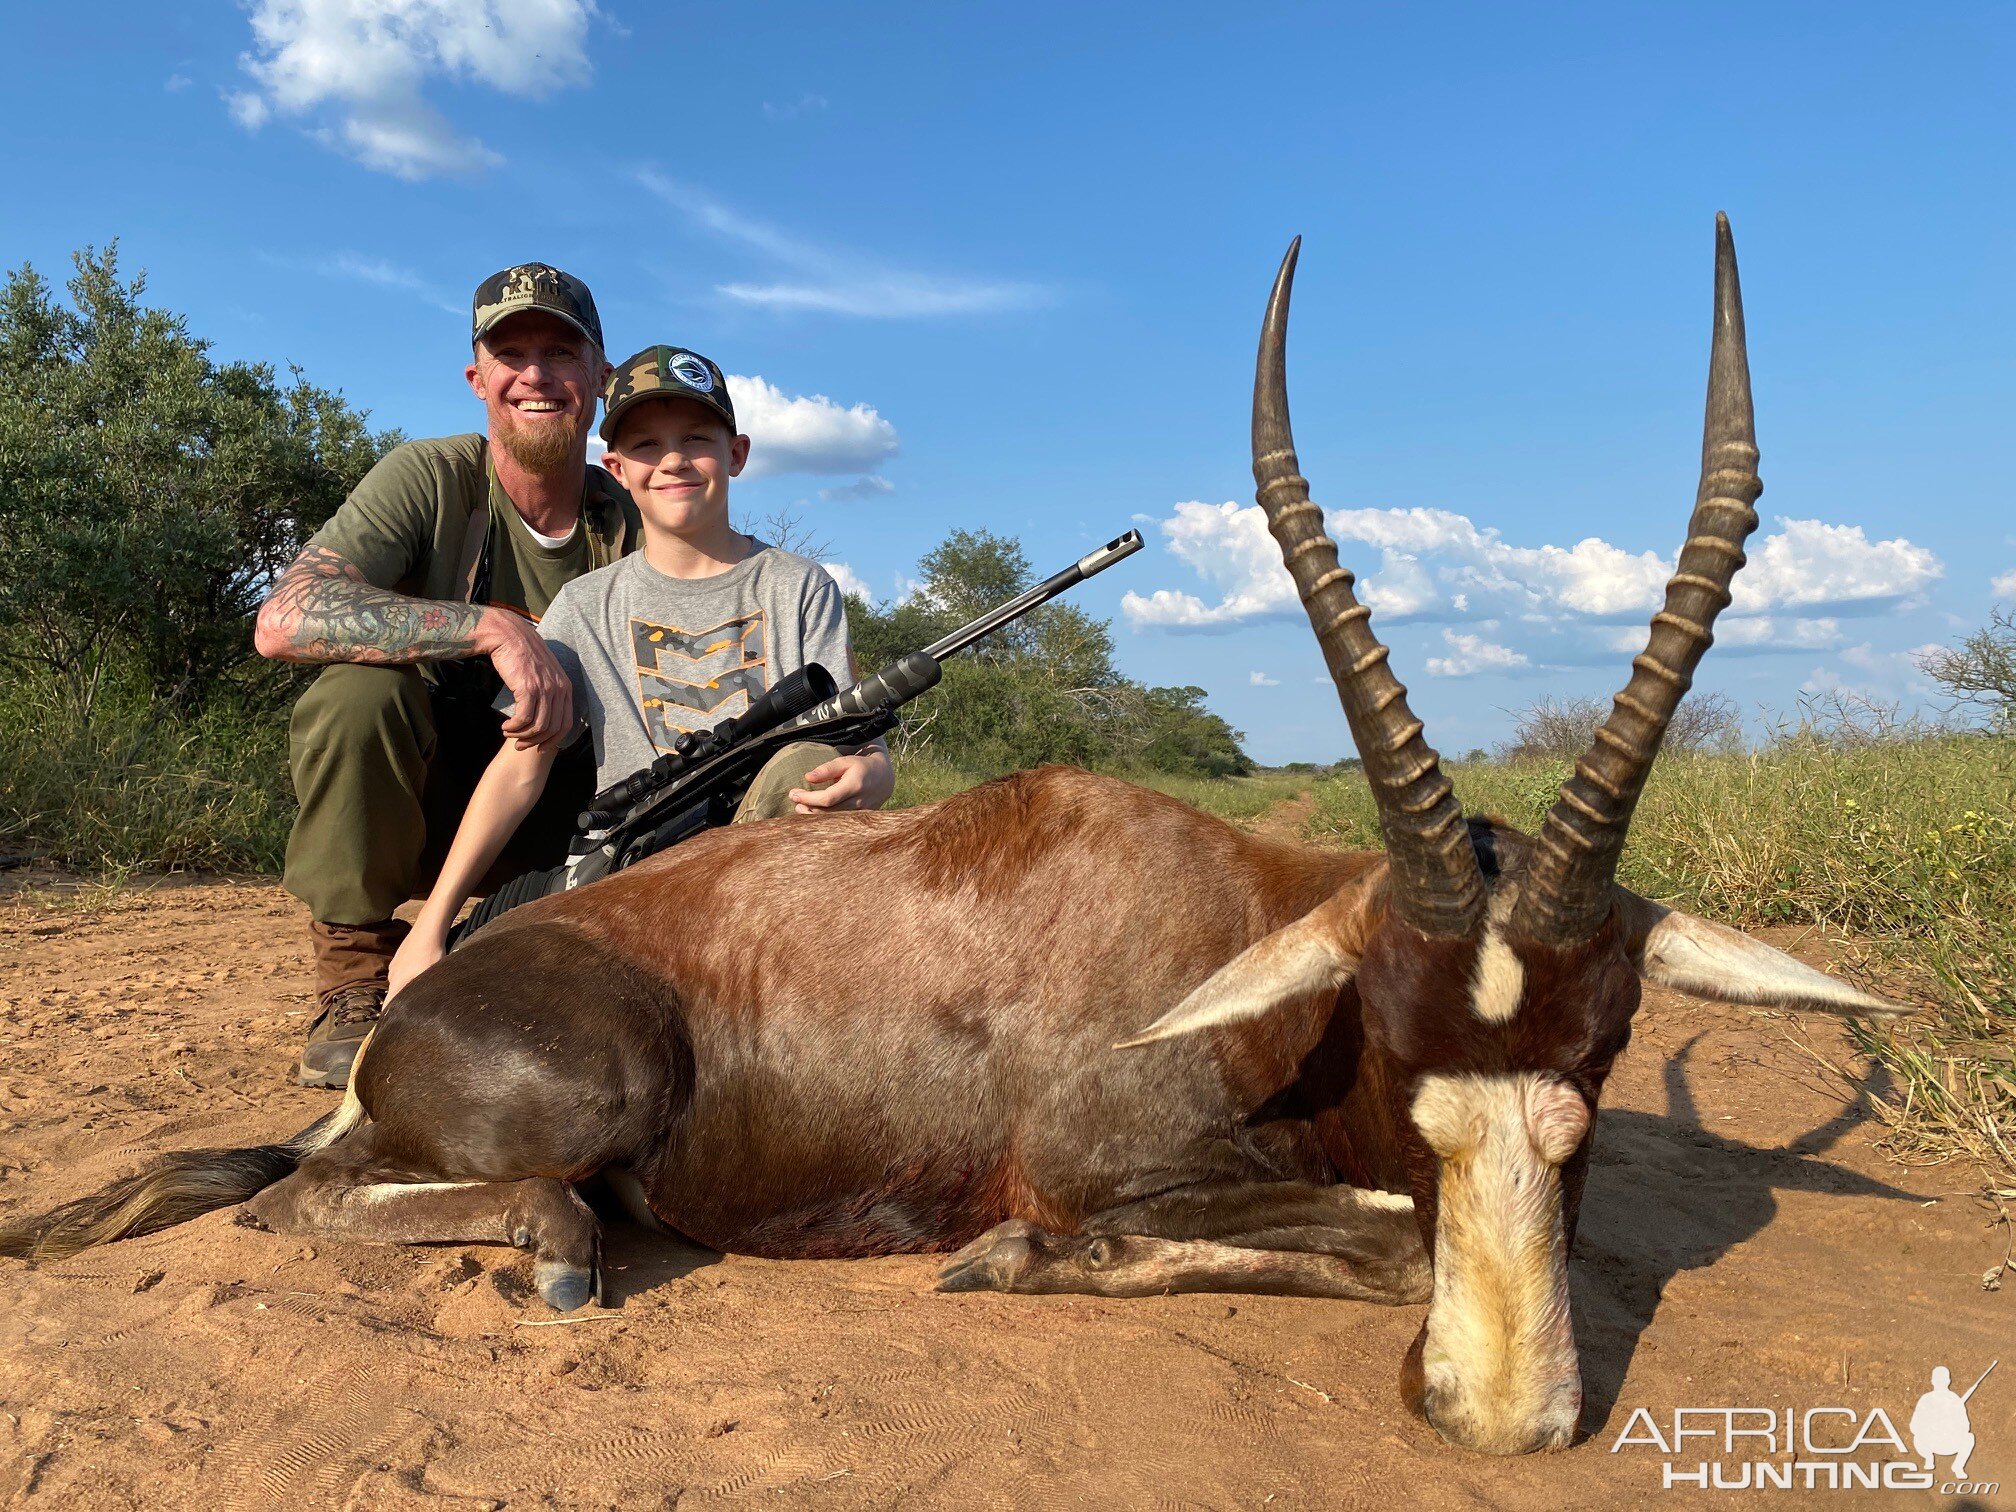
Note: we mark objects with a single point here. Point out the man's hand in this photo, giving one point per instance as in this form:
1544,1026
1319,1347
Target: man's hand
543,698
861,781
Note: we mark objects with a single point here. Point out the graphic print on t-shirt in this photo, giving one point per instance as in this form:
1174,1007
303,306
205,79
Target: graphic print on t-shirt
694,679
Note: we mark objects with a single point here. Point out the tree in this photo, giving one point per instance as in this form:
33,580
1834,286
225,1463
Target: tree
148,495
1981,670
1184,736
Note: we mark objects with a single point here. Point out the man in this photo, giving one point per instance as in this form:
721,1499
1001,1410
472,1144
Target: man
422,594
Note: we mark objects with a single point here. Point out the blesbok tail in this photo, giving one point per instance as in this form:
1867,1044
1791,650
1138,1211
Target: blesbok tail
172,1189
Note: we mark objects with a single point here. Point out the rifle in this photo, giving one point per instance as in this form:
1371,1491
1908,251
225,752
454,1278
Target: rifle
1977,1384
698,783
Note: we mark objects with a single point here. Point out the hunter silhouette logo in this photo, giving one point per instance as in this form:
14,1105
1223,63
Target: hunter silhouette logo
1939,1424
1819,1448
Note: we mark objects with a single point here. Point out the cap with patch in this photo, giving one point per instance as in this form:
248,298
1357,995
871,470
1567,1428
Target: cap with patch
664,372
534,286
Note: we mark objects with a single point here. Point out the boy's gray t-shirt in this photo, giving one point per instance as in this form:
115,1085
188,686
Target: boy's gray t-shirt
652,656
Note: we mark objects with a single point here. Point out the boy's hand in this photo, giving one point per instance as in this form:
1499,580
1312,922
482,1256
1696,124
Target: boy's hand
862,781
420,949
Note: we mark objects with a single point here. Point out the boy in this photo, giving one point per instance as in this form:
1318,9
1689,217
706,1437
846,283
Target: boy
679,636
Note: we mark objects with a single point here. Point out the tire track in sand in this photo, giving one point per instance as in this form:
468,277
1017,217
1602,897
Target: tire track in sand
310,1450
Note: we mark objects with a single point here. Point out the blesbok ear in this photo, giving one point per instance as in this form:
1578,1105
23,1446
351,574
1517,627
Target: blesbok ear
1317,953
1706,960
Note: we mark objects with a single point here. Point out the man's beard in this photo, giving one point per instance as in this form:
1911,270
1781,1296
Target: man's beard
542,447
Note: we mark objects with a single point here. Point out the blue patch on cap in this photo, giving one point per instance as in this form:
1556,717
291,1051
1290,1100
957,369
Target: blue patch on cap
691,371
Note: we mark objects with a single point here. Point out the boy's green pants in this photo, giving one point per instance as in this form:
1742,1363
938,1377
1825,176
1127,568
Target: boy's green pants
384,765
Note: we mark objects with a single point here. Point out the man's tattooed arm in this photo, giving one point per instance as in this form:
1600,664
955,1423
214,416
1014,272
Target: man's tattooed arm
322,610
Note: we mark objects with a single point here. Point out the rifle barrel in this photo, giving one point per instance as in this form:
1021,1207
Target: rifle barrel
1085,567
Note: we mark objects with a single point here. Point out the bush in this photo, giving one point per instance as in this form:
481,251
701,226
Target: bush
142,782
1563,729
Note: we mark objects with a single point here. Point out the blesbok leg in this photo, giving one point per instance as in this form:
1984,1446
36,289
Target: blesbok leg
1288,1238
338,1196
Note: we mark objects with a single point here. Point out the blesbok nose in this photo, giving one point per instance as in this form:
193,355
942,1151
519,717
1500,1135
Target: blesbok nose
1549,1428
1531,1438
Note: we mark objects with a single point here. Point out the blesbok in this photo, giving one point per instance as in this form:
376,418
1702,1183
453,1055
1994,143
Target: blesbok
882,1032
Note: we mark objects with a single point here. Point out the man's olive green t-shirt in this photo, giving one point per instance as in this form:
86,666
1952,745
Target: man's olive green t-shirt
405,527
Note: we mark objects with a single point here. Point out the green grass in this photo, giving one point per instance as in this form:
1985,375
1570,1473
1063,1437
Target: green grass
1233,798
924,780
1904,851
142,788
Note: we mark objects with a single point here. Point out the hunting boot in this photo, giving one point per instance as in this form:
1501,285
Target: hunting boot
351,964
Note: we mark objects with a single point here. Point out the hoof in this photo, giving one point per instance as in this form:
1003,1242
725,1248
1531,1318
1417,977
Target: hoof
565,1287
993,1269
1014,1228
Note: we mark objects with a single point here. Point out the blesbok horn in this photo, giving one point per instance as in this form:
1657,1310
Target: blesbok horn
1568,892
1436,884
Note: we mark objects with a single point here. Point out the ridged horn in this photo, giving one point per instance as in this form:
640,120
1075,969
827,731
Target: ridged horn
1436,884
1568,891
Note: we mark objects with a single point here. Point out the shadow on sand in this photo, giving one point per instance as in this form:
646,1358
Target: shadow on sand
1665,1195
636,1259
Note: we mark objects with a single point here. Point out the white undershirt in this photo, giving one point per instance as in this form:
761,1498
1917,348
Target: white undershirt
551,543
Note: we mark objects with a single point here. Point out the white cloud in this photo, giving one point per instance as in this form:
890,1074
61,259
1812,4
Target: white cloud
1262,680
2004,584
248,110
1734,636
1229,547
1873,674
790,110
820,279
849,580
1808,562
792,433
360,268
355,71
870,487
1471,654
885,296
177,82
1434,564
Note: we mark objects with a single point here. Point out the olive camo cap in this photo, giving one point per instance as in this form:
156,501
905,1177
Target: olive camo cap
534,286
664,372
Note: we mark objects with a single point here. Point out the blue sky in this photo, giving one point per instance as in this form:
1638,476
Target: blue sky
1003,266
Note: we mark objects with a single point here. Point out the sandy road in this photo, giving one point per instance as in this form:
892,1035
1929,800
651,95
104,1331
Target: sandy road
1743,1243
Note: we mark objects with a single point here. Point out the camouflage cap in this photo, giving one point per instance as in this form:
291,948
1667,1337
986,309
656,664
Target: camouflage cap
664,372
534,286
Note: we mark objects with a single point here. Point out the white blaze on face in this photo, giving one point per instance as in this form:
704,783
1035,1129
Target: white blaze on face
1499,982
1499,1361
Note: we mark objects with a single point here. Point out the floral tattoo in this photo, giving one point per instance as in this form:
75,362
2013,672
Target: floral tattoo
327,612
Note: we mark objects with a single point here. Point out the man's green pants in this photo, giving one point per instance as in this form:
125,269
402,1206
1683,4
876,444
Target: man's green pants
384,765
